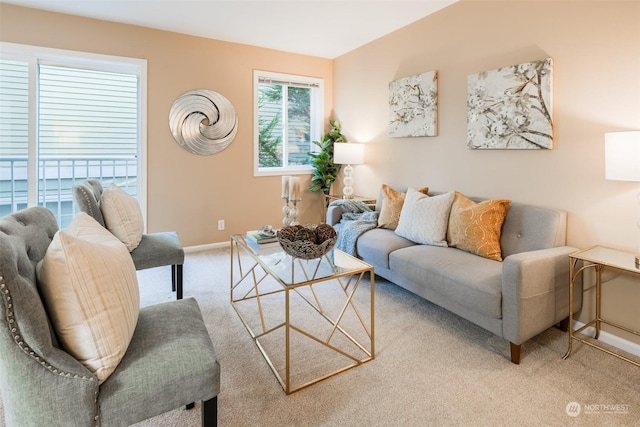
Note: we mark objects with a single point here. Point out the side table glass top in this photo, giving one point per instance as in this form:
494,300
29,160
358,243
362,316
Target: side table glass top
295,271
609,257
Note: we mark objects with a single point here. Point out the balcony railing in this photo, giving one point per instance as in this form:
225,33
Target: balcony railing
56,179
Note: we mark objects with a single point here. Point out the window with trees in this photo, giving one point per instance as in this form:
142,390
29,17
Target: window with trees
287,117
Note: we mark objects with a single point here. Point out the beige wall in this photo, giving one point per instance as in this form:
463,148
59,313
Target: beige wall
596,51
186,192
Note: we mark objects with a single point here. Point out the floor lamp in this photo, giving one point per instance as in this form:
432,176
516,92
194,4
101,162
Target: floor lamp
348,153
622,163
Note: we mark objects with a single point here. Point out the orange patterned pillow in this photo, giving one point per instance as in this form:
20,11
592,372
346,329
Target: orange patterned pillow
392,201
476,227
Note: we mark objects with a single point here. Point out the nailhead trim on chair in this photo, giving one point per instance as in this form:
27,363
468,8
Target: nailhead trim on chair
15,332
87,196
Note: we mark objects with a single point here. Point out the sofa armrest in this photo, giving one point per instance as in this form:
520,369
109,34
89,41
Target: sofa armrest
334,214
535,292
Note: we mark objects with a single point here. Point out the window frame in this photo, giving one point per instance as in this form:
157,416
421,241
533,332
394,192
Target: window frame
37,55
317,119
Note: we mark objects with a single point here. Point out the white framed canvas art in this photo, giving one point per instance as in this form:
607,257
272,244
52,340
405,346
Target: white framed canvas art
413,105
511,108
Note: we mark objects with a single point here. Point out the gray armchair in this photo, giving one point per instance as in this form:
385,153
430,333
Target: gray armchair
155,249
169,363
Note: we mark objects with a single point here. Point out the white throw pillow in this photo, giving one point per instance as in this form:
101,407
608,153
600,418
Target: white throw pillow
89,285
122,216
424,219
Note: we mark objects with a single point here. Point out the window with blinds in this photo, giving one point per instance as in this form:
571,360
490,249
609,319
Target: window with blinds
287,117
66,117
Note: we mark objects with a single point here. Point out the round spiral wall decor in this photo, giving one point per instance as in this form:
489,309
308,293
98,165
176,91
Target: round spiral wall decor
203,122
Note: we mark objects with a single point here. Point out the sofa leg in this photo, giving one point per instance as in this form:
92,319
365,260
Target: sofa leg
210,412
564,324
515,353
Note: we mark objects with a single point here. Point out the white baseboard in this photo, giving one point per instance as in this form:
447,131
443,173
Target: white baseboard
609,338
207,247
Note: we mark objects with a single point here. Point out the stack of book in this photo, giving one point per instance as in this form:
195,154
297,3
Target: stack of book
258,237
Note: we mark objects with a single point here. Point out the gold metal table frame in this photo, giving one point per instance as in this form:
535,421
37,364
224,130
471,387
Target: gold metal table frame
598,258
265,281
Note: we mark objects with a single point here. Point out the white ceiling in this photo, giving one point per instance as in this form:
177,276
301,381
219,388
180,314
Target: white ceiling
324,28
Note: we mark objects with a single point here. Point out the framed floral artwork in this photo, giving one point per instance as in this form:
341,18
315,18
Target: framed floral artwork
510,107
413,105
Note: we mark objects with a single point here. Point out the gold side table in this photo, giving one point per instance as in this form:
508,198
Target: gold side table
599,258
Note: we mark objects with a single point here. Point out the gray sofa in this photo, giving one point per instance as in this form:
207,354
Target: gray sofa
516,299
169,363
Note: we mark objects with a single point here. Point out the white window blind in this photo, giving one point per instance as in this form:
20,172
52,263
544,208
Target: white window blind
87,113
14,108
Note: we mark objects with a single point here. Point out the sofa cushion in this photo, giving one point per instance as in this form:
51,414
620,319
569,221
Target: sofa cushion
458,276
424,219
89,285
475,227
375,245
530,228
391,206
122,216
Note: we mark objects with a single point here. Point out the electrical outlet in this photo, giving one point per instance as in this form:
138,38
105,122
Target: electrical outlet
220,224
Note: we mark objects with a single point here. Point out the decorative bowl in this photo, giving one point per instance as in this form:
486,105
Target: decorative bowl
307,242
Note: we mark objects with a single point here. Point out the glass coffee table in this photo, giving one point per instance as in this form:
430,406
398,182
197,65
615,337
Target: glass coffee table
311,319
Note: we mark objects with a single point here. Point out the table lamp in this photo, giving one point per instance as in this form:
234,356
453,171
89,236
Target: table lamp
622,162
348,153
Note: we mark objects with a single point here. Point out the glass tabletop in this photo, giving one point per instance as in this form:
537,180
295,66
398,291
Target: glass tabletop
296,271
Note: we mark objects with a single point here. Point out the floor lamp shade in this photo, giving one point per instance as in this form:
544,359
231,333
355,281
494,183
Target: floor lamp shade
348,153
622,156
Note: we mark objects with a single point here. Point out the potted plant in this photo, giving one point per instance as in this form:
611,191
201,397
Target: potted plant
325,170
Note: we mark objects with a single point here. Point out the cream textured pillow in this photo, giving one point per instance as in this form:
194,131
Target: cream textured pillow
391,206
476,227
88,283
423,219
122,216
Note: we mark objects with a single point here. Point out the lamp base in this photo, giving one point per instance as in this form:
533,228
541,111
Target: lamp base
347,191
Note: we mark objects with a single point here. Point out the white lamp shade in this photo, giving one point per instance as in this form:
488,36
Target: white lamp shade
622,156
348,153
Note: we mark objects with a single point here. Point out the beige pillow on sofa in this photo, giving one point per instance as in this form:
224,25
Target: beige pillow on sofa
477,227
391,206
88,282
122,216
424,219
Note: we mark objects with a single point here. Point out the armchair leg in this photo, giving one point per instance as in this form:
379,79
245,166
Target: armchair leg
210,412
173,278
178,279
515,353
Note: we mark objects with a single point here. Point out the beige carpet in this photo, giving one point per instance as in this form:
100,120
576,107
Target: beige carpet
431,368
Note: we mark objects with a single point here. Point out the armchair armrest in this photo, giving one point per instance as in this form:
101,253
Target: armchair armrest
535,292
334,214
